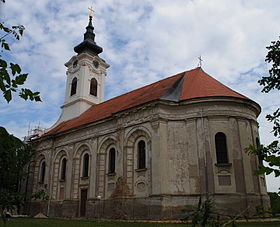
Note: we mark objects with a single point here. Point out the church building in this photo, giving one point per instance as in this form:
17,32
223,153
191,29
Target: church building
147,153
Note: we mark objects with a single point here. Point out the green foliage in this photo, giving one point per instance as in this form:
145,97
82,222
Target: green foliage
204,214
273,82
274,203
40,194
200,214
274,118
273,56
260,211
269,154
10,74
9,200
14,156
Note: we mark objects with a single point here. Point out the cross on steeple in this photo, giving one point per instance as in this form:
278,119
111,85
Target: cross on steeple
88,45
91,11
200,61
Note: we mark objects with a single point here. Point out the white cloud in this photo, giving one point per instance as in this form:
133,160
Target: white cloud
143,41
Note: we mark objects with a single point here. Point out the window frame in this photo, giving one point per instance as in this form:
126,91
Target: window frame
42,172
221,148
260,157
141,155
85,165
74,85
93,89
63,167
112,160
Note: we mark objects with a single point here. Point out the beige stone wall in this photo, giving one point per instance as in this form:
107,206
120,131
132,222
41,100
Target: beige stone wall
180,155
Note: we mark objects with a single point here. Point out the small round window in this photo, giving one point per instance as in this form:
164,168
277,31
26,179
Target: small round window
75,64
96,64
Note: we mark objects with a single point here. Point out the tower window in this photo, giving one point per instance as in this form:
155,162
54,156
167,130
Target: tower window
260,156
75,64
221,148
93,87
141,154
74,86
96,64
85,165
112,160
258,142
63,169
42,172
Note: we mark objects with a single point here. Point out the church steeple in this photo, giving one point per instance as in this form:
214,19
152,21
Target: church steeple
86,74
88,45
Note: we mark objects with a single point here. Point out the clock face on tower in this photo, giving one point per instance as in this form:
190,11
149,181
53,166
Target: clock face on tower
95,64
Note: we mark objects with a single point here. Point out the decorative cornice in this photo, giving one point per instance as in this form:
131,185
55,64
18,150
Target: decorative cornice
77,100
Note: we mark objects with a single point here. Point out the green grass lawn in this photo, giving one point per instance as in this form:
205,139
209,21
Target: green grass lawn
32,222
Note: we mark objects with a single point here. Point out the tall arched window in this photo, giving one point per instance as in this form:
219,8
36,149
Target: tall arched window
85,165
63,169
93,87
258,142
42,172
74,86
141,154
260,157
112,160
221,148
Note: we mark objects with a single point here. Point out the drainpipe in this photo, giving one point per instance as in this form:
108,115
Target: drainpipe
205,156
51,178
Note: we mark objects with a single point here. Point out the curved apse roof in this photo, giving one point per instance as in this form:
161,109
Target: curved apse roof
190,84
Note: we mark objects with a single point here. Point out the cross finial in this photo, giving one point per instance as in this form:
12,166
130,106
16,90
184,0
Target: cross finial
91,11
200,61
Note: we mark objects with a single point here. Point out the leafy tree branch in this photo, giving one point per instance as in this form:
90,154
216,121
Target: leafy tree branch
273,57
11,76
271,153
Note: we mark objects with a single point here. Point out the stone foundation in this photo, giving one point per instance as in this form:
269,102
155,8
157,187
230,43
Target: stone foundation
150,208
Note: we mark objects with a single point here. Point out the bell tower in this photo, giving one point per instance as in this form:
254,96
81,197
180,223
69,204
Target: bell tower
85,77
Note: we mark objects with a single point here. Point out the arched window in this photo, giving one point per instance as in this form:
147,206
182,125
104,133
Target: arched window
74,86
85,165
260,157
112,160
221,148
63,169
141,154
93,87
258,142
42,172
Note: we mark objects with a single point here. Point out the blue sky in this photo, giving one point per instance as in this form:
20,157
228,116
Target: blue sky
143,41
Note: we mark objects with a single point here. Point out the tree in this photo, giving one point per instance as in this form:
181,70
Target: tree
202,214
11,77
205,214
271,153
275,203
14,156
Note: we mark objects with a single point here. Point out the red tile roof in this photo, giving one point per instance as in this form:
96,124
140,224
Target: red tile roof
196,83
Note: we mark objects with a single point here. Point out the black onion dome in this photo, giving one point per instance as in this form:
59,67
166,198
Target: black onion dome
88,45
